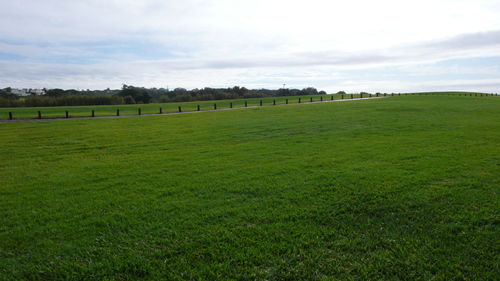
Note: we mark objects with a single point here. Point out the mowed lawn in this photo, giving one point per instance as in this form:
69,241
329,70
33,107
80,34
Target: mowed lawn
401,188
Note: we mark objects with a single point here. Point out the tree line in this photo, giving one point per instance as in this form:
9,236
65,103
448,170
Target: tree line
139,95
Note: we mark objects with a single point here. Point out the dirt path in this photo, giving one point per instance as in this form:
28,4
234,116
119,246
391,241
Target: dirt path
171,113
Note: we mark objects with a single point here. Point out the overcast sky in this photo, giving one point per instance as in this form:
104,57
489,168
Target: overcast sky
355,45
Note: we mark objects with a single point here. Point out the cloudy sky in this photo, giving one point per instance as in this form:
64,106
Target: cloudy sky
355,45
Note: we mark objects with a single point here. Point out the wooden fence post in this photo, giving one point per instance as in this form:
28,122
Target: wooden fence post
198,107
93,113
215,106
161,110
286,101
299,100
274,102
67,114
260,102
10,116
180,109
246,104
117,112
311,99
39,114
230,105
138,111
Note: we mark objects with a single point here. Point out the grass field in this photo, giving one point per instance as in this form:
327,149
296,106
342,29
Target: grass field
131,109
402,188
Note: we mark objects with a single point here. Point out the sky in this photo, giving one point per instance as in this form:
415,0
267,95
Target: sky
355,45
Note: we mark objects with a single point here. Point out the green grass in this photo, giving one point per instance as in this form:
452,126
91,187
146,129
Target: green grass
107,110
402,188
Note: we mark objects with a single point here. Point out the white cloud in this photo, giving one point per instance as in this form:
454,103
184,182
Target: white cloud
479,85
222,42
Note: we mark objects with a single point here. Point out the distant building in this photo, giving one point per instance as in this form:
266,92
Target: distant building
19,92
27,92
36,92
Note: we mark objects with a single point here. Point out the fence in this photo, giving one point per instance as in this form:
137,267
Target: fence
232,105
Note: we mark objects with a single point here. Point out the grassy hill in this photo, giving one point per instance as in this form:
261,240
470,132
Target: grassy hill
402,188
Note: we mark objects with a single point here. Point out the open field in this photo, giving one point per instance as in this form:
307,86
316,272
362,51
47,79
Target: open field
154,108
403,188
130,109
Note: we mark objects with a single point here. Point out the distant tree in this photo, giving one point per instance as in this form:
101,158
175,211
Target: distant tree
131,95
322,93
179,90
283,92
129,100
7,94
138,94
55,92
341,93
309,91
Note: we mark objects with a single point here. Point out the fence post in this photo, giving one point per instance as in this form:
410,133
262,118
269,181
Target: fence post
198,107
274,102
161,110
311,99
93,113
352,96
230,105
260,102
67,114
286,101
246,104
320,98
331,97
215,106
180,109
299,100
39,114
360,95
139,111
10,116
117,112
342,96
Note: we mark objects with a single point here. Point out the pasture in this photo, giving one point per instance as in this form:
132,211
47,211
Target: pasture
152,108
401,188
